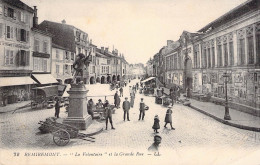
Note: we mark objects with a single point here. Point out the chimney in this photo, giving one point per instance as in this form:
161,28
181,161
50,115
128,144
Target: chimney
35,18
169,42
106,50
102,49
116,52
90,41
63,21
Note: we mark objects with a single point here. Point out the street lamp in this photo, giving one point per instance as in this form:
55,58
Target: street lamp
227,116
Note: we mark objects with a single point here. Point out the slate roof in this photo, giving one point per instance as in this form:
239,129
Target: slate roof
19,4
248,6
63,34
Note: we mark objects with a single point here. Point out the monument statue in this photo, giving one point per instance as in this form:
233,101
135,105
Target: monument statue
77,111
78,65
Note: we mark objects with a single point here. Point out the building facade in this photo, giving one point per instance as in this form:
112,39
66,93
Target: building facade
229,44
16,58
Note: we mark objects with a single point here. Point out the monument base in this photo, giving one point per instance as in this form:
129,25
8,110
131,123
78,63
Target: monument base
79,122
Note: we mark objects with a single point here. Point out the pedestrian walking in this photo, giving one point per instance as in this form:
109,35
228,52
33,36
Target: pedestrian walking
90,106
57,108
178,93
168,117
137,85
156,124
126,108
142,109
155,146
172,95
116,99
108,112
121,92
132,99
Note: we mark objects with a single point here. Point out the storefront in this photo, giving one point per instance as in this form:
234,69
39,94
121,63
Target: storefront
15,89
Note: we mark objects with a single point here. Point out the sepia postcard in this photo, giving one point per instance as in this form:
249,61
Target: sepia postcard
121,82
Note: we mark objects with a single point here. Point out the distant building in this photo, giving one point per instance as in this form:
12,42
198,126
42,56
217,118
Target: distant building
68,41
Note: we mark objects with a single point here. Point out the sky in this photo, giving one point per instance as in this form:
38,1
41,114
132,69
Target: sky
137,28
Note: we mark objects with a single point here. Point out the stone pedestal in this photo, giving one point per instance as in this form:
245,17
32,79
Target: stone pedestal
78,115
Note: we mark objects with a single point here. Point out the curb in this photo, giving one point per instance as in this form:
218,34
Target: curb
225,121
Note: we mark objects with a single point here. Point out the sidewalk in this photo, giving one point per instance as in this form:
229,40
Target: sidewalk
15,106
238,119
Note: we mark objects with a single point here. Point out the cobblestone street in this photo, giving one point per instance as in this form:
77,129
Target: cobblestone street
194,132
192,129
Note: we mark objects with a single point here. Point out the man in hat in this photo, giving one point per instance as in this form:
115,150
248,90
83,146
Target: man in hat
168,117
155,146
108,112
116,99
99,104
126,107
121,92
142,109
57,107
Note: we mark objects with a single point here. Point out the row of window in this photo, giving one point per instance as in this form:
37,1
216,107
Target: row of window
104,69
12,33
248,40
67,69
14,14
173,62
40,64
20,58
67,55
45,46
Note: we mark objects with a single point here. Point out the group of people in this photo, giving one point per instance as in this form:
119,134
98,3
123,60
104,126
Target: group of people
175,94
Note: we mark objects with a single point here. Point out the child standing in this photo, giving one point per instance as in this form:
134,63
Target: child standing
156,124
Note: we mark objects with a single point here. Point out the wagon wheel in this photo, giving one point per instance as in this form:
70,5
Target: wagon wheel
61,137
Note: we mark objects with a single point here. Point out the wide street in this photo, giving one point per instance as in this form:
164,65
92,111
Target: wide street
193,131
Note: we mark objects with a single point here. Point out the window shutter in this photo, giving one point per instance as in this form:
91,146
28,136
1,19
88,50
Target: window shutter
5,32
18,58
11,32
18,34
18,15
27,36
1,29
27,62
5,8
15,14
1,9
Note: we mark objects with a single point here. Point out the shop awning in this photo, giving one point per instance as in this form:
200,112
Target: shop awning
44,78
150,78
14,81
